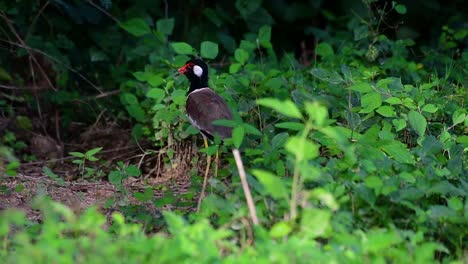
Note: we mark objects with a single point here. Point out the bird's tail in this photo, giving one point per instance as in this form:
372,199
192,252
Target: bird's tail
245,186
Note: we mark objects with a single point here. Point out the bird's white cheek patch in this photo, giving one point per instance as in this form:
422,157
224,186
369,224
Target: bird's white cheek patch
197,70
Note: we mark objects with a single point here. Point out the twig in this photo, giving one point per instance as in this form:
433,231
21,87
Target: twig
33,58
55,60
245,186
103,11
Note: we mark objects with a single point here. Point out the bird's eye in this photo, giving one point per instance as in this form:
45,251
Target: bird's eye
197,70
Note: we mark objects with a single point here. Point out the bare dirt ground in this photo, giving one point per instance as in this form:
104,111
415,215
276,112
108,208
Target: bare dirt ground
79,193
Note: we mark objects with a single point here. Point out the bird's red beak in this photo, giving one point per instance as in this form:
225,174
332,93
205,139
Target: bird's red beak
185,68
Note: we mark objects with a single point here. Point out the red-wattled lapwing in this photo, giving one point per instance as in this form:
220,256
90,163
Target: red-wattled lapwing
204,106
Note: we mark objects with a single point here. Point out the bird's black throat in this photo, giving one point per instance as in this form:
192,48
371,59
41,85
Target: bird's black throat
197,83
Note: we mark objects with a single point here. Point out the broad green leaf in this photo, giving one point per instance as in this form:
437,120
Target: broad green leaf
401,9
234,68
165,26
361,87
115,177
441,212
324,50
287,107
429,108
264,36
128,98
386,111
458,117
327,76
132,171
273,184
280,229
302,149
317,112
136,26
156,93
136,112
209,49
399,152
251,130
241,56
380,239
370,102
455,203
315,222
417,122
4,75
393,100
399,124
182,48
373,182
238,136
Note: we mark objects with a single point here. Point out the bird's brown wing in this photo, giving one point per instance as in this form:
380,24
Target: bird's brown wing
205,106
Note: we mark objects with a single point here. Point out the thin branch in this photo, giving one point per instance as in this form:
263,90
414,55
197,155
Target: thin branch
55,60
104,11
18,37
245,186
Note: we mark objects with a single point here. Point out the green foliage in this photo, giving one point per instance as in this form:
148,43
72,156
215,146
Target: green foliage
359,157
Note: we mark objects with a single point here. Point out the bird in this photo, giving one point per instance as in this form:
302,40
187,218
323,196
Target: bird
203,107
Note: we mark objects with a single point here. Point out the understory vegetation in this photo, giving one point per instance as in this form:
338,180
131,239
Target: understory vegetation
351,119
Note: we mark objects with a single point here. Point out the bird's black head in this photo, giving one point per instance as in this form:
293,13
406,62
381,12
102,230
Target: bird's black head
196,71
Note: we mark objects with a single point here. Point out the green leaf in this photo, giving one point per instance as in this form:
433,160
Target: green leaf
156,93
209,49
280,229
241,56
53,176
264,36
386,111
370,101
458,117
373,182
182,48
4,75
92,152
315,222
295,126
324,50
136,26
147,195
317,112
455,203
273,184
238,136
399,152
165,26
361,87
115,177
303,149
393,100
24,122
251,130
132,171
399,124
77,154
287,107
401,9
429,108
332,77
234,68
417,122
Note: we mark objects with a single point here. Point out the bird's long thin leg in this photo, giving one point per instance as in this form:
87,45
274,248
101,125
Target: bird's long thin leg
205,179
216,163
